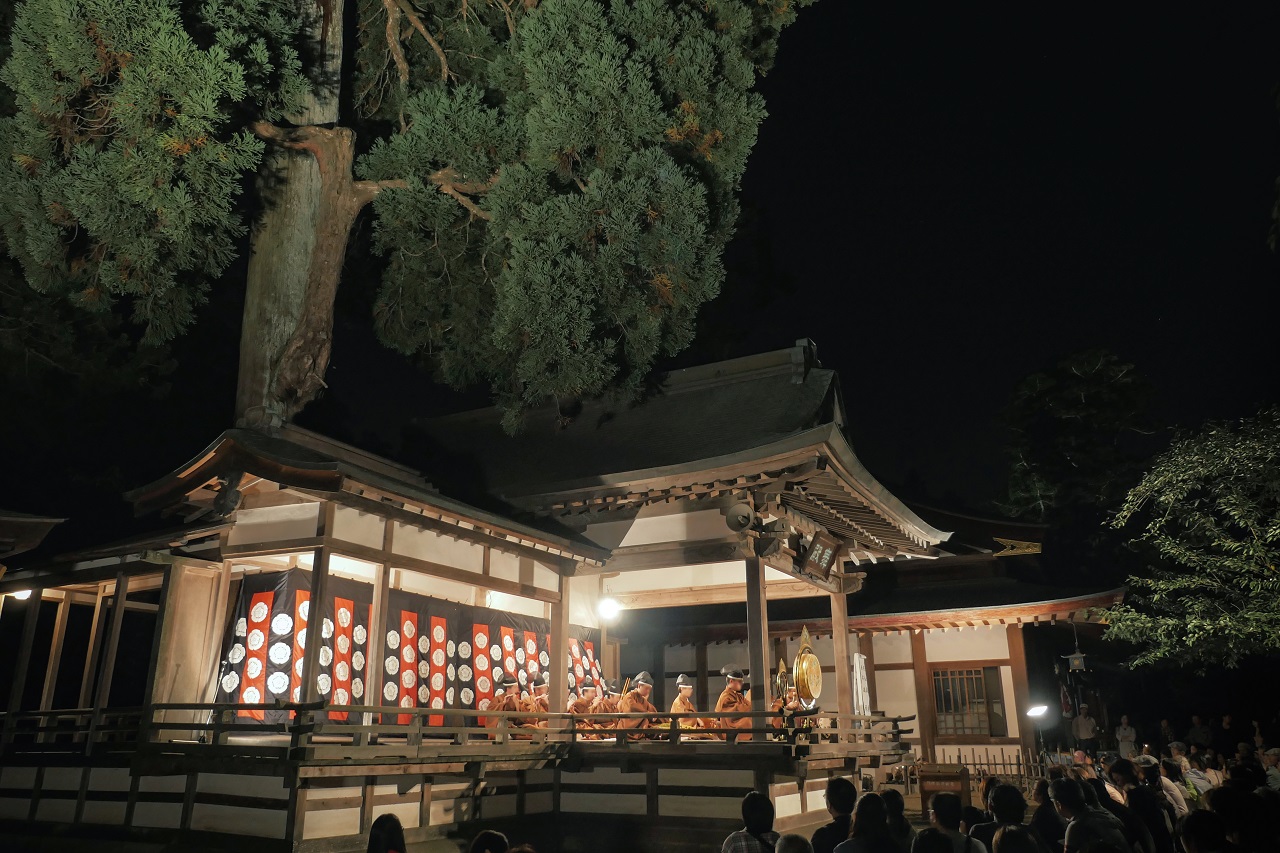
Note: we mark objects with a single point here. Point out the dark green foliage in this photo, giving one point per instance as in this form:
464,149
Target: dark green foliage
121,165
606,142
1210,509
557,203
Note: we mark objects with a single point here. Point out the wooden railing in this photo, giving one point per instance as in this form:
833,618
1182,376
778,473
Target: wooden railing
375,732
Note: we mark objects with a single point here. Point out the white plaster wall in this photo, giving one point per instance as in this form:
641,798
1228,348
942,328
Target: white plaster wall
504,566
681,577
545,577
719,654
363,528
446,550
515,604
892,648
584,595
275,524
896,694
650,527
349,567
682,658
965,644
411,581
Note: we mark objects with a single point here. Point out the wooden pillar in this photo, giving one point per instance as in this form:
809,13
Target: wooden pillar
91,653
866,648
757,636
20,663
55,652
1021,689
840,643
558,680
169,586
112,641
926,712
315,627
377,634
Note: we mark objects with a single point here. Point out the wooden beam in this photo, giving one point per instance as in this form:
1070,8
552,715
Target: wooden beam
700,664
665,555
315,626
757,633
926,713
377,631
167,587
720,594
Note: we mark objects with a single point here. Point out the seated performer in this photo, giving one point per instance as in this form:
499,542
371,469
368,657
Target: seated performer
581,704
683,704
508,700
607,703
735,699
538,702
636,701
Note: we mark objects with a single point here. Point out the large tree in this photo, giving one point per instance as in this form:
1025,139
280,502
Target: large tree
1210,511
553,183
1078,437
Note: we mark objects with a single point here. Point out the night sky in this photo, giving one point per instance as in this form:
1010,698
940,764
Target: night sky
944,203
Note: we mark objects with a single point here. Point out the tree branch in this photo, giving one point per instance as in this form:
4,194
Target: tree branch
417,24
449,182
393,40
367,191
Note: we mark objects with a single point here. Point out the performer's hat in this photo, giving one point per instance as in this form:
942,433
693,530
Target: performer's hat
542,679
613,688
501,680
683,680
642,677
731,670
587,684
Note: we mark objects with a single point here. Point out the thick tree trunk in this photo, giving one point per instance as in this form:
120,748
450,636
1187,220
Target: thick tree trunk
299,244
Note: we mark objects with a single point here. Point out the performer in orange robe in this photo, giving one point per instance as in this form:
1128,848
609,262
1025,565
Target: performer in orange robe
508,701
637,701
580,706
734,700
537,703
607,703
683,704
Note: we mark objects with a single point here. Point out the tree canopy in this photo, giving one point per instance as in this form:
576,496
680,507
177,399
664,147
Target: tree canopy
553,183
1210,510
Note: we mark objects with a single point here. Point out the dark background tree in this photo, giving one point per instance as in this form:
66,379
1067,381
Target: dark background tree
1079,434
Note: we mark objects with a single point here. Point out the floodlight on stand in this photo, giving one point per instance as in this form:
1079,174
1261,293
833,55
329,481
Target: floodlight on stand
22,594
608,608
1037,711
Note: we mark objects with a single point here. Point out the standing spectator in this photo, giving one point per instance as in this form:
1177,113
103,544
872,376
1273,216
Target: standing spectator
1046,824
1164,737
1126,738
944,816
757,835
387,836
1085,826
1258,740
1008,806
1199,734
1085,730
901,832
988,785
1227,737
869,831
841,796
1270,759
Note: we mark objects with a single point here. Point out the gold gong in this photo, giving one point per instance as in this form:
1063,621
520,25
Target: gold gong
806,671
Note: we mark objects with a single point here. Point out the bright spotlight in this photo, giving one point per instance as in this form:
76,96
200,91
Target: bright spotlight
22,594
608,608
1037,711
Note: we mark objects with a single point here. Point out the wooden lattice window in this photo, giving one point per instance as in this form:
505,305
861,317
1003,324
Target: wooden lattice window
969,702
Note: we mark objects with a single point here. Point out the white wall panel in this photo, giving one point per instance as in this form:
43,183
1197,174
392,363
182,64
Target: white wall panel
892,648
966,644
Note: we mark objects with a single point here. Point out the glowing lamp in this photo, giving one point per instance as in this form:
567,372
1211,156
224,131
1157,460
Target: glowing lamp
1037,711
608,608
22,594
